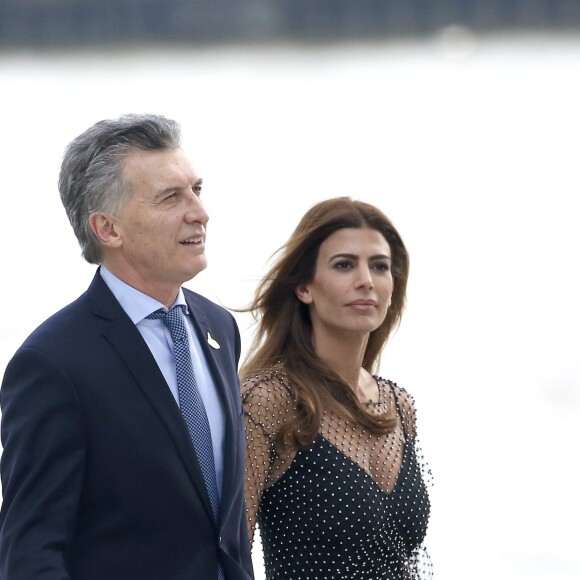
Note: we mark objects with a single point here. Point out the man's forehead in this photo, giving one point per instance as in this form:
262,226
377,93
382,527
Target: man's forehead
158,166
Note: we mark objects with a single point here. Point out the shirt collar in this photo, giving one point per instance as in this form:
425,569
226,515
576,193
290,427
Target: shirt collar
135,303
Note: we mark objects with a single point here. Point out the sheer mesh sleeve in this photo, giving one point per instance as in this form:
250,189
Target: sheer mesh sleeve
406,407
267,405
420,565
408,415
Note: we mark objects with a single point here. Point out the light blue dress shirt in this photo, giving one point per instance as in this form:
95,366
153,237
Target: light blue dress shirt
138,306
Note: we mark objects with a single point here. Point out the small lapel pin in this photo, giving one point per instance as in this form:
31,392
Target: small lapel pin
212,341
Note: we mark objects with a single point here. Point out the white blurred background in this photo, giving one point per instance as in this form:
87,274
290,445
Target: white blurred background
469,144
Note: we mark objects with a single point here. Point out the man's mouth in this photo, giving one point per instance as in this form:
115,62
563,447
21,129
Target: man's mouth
194,240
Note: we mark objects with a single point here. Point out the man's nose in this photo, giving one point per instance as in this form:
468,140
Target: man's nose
195,210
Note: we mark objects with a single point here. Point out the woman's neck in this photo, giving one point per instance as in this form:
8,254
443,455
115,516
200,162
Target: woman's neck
344,355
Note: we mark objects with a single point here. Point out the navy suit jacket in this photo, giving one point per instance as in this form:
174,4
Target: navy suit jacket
100,478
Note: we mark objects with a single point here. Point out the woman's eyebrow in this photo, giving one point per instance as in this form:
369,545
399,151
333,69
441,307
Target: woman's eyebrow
349,256
355,257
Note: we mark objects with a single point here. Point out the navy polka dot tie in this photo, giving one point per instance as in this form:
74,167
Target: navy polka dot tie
191,403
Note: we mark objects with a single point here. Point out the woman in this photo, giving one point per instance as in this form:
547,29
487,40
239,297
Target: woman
333,475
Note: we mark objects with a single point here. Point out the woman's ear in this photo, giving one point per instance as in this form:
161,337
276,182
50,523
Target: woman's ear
104,229
303,294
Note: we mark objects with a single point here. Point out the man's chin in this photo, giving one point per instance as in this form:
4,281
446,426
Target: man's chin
199,266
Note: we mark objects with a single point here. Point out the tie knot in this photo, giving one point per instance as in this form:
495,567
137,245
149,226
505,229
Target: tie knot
173,320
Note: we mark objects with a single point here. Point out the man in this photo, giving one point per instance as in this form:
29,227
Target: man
123,442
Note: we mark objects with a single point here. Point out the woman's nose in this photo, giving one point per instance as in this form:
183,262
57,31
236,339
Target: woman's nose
365,277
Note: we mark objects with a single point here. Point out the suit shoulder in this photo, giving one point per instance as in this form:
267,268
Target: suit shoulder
206,304
66,322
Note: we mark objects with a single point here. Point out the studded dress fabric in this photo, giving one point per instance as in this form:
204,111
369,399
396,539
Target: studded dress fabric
353,505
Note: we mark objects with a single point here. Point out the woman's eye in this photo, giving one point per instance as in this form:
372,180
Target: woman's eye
342,265
382,267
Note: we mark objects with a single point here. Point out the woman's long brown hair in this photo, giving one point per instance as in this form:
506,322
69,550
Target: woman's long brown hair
284,329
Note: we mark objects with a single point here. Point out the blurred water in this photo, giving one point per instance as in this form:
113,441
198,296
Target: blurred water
469,144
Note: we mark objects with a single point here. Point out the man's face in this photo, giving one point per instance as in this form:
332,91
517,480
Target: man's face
161,229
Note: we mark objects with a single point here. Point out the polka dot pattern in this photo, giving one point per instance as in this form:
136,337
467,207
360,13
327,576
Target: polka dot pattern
351,505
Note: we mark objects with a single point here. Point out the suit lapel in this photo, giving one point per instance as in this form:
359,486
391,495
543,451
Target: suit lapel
123,335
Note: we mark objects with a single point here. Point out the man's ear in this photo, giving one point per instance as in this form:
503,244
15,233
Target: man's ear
104,228
303,294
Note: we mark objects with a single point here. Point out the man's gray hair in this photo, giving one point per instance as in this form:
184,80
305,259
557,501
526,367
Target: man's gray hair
91,174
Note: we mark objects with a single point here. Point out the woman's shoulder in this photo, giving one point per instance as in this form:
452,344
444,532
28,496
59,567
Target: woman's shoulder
267,396
402,395
402,399
273,380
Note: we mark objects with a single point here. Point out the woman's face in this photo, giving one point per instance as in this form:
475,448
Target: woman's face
352,286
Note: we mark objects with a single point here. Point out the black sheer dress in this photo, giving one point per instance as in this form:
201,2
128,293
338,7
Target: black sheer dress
353,505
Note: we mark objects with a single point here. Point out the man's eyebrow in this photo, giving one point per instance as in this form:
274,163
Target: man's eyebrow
197,183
